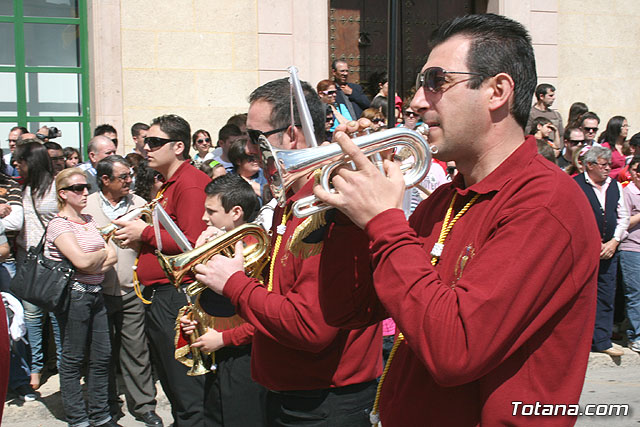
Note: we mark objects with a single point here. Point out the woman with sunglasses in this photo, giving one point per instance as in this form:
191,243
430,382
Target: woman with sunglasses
39,204
247,166
614,138
328,93
202,144
84,325
377,118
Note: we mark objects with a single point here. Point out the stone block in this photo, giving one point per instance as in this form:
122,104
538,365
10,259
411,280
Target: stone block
275,16
223,89
267,76
544,27
197,51
544,5
139,49
276,51
237,16
152,15
546,60
245,52
158,88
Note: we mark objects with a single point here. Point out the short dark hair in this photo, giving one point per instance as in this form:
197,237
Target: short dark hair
194,137
50,145
335,62
498,45
634,160
102,129
227,131
538,121
22,129
68,152
176,128
234,191
277,93
105,167
542,88
136,128
239,120
568,130
635,140
589,115
237,152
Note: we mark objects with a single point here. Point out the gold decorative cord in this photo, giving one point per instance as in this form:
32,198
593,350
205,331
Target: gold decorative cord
444,232
276,247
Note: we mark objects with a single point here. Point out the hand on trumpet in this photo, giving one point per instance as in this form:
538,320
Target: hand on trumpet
208,342
215,273
129,232
209,233
364,192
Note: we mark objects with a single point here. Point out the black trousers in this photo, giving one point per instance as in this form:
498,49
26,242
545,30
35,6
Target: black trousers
347,406
232,398
185,393
130,348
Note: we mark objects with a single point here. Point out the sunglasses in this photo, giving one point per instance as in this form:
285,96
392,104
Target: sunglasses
329,119
576,141
329,92
155,142
77,188
200,141
376,121
254,134
591,129
114,140
434,77
411,114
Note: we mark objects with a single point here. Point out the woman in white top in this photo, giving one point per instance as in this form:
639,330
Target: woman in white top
84,325
39,204
201,144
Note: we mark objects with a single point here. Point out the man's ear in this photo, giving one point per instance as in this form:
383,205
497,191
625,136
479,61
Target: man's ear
104,179
502,90
297,138
178,149
236,213
92,157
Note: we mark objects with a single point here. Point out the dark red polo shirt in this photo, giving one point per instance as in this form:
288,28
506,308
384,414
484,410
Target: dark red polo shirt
506,315
293,346
183,199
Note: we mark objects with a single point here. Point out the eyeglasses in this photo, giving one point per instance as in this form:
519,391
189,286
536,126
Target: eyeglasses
155,142
604,165
251,158
376,121
200,141
329,119
125,176
254,134
590,129
12,140
575,141
329,92
114,140
77,188
411,114
434,77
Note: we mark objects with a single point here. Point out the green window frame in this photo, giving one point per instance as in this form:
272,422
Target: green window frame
21,70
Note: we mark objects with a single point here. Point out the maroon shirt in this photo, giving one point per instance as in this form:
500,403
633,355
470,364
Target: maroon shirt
506,315
293,346
183,200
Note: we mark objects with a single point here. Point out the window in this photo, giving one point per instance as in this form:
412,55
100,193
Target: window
44,68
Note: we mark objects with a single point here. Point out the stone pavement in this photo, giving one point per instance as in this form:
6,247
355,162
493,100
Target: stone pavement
608,380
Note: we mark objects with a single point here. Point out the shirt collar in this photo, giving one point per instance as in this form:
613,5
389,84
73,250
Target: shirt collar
500,176
124,200
588,179
177,173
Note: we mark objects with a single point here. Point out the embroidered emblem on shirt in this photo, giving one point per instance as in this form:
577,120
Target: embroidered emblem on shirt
467,253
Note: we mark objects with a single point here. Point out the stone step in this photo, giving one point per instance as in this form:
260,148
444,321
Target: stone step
630,358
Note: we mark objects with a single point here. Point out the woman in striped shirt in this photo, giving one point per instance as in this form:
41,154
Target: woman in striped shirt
84,325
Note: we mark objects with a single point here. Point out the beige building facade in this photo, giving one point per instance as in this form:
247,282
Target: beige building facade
202,58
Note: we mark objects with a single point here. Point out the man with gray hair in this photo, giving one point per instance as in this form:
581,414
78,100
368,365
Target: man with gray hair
125,311
99,147
606,200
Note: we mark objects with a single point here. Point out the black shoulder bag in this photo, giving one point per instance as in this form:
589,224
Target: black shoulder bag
43,281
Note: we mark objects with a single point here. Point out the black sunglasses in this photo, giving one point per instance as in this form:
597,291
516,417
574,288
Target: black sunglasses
434,77
411,114
576,141
254,135
200,141
376,120
77,188
591,129
156,142
329,92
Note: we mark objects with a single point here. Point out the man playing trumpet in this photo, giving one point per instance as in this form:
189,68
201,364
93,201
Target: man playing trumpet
125,311
490,321
315,373
232,397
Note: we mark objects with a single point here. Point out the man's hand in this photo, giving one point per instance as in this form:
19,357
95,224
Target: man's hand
608,249
346,89
129,232
365,192
215,273
211,341
5,210
209,233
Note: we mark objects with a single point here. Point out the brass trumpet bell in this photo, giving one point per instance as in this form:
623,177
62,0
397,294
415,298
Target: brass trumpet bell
255,255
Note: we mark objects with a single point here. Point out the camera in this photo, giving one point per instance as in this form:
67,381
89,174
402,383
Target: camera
54,132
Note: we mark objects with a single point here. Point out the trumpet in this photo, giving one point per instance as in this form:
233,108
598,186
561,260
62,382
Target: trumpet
283,167
145,212
255,256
